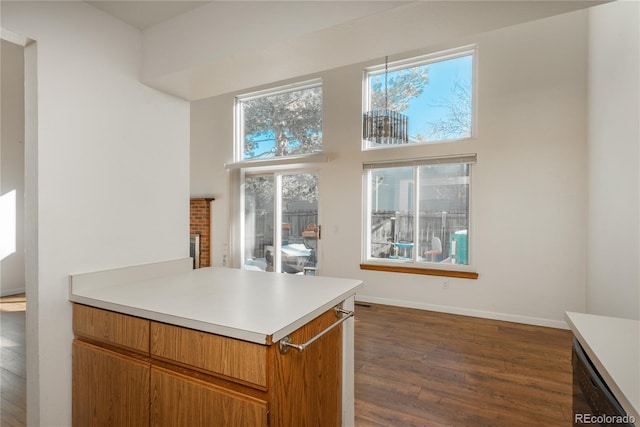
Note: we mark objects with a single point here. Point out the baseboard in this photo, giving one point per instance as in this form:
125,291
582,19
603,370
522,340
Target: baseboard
8,292
558,324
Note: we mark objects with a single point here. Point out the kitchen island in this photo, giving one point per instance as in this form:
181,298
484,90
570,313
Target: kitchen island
161,344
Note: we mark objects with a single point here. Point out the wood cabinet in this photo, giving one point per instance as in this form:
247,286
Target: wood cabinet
131,371
120,330
181,400
241,361
109,388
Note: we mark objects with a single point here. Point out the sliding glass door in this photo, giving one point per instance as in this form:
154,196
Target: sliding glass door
280,226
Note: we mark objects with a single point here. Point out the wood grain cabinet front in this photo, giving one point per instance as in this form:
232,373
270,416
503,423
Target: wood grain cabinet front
109,388
233,359
192,378
129,332
181,400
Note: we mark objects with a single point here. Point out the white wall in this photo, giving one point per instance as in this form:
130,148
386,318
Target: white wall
112,169
12,264
228,46
613,280
205,40
529,185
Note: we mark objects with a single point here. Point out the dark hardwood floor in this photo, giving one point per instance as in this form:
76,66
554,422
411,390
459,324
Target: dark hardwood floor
413,368
13,375
421,368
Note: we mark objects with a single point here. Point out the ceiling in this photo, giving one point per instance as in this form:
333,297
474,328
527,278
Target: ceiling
195,49
145,14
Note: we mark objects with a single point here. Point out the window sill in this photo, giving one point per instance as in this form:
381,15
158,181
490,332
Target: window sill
274,162
417,270
366,146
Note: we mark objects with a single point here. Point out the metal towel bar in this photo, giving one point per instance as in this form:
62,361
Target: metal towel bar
285,342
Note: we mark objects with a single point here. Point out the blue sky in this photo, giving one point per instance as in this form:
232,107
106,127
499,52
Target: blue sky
442,77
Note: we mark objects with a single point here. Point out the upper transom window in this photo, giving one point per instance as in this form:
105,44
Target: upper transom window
435,92
279,122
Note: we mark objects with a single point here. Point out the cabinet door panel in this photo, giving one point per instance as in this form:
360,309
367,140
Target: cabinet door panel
179,400
235,359
307,389
110,327
109,389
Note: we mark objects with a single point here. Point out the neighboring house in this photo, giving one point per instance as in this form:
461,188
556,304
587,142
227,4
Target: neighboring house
111,162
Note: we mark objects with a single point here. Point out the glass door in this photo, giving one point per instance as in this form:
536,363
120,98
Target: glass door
281,229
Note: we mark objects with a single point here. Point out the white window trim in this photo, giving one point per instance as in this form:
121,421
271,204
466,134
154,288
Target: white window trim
296,161
238,133
430,58
366,230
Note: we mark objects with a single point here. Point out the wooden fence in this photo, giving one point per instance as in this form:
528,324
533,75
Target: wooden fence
388,228
293,224
391,227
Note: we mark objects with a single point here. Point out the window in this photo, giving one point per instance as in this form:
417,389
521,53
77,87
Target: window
435,92
278,135
280,122
418,213
281,231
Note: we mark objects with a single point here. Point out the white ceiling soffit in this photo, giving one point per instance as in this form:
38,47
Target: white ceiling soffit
144,14
223,29
231,46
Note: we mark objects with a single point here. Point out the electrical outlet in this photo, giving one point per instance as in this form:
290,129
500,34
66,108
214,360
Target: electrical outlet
445,284
224,255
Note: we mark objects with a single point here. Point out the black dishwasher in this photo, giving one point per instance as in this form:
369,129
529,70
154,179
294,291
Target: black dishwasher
593,402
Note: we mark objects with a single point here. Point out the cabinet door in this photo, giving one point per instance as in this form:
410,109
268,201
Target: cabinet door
178,400
109,388
121,330
307,386
234,359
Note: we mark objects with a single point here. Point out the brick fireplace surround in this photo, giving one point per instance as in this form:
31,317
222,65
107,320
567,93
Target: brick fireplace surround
200,223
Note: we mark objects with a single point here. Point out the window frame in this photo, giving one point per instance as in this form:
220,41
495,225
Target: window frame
276,166
238,129
412,266
416,61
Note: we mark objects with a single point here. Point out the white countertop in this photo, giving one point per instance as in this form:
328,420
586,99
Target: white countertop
249,305
613,345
